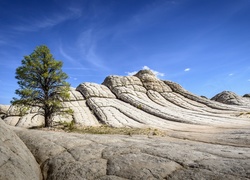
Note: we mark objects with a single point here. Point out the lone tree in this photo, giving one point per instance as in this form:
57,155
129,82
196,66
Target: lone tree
42,84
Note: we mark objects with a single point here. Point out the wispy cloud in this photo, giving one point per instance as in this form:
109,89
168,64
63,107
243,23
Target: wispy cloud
74,62
48,20
65,55
187,69
75,11
74,78
2,42
248,80
145,17
78,68
147,68
87,44
231,74
36,24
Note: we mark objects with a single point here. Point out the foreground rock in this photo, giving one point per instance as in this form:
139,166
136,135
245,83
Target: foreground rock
195,154
16,161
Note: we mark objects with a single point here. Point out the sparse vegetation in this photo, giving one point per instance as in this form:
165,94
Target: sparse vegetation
67,125
122,130
243,114
104,129
22,110
139,106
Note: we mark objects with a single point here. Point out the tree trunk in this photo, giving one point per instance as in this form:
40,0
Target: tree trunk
47,118
47,122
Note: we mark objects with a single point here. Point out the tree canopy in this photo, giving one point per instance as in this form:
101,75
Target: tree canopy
42,83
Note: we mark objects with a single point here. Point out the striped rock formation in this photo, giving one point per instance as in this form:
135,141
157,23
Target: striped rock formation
141,100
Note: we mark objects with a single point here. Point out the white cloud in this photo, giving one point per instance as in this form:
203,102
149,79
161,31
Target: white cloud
131,73
155,72
187,69
231,74
146,68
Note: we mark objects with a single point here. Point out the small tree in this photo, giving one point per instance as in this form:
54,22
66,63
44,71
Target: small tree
42,84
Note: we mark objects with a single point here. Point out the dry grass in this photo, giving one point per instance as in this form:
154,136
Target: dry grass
104,129
122,131
243,114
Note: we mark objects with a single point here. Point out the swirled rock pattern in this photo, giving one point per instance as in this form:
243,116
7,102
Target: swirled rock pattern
141,100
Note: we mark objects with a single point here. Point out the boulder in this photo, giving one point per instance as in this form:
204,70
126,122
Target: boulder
228,97
3,110
246,95
16,161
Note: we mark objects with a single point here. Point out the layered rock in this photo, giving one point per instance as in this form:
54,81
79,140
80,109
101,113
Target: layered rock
82,114
141,100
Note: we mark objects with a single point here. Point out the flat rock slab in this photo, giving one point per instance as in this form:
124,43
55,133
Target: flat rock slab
204,154
16,161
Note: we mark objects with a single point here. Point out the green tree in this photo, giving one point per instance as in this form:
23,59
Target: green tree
42,84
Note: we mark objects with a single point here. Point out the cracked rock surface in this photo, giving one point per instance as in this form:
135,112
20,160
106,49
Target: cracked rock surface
16,161
198,154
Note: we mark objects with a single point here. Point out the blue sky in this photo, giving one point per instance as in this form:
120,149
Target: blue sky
204,45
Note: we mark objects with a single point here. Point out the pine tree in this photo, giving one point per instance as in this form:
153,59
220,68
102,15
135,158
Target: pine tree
42,84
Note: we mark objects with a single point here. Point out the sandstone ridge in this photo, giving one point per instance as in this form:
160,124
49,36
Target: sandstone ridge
141,100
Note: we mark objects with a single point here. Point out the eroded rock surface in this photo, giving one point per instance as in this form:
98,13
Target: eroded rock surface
141,100
228,97
16,161
198,154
